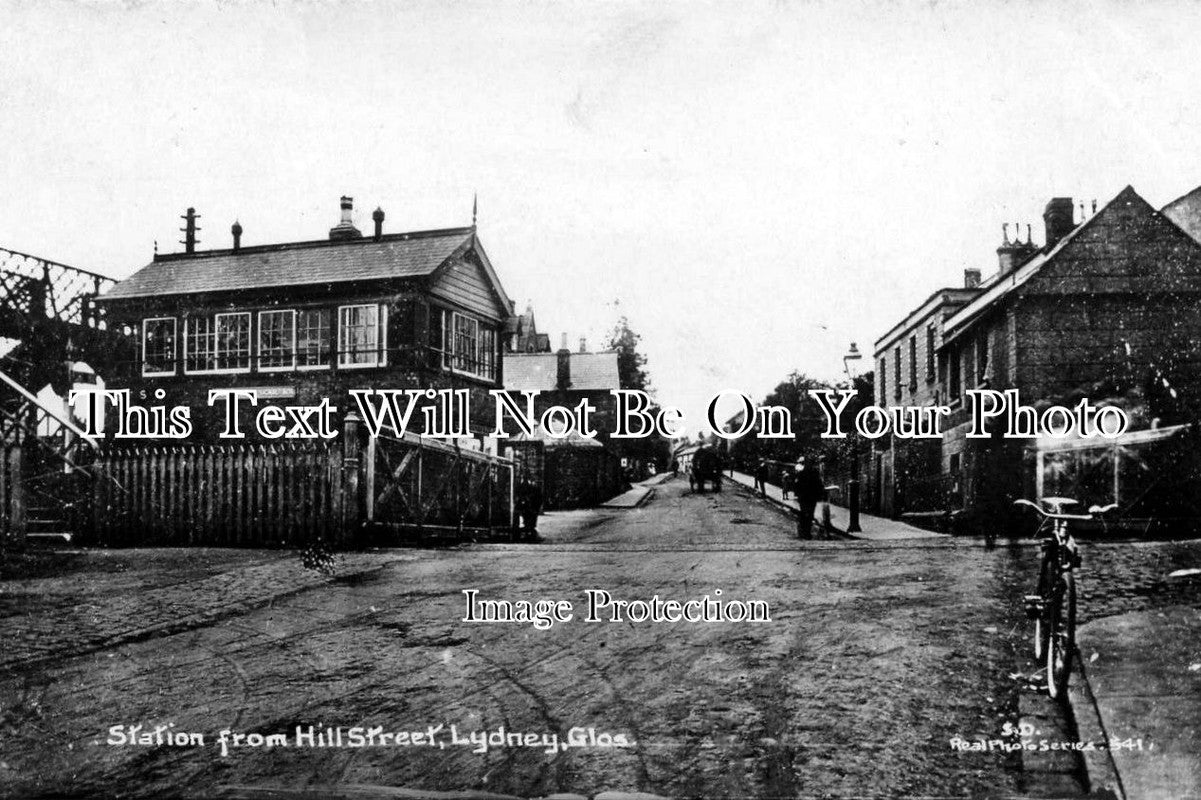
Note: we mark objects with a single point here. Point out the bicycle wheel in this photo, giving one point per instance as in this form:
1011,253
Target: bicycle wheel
1046,578
1061,636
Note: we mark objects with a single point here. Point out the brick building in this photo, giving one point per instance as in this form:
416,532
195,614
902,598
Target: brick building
301,321
1108,306
907,373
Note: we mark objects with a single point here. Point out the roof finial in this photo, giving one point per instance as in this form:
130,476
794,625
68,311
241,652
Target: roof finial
475,205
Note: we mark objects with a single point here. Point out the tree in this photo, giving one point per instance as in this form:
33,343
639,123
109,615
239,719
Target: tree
631,364
632,374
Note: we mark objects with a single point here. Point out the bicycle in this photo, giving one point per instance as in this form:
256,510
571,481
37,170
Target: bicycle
1053,606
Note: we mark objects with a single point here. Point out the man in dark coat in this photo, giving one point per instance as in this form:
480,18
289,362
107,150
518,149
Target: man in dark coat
761,473
528,502
809,489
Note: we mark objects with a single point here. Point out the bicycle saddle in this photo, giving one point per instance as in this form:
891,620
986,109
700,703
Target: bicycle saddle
1058,505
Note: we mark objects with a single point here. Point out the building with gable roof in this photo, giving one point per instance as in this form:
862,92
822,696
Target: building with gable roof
523,335
1109,306
301,321
576,470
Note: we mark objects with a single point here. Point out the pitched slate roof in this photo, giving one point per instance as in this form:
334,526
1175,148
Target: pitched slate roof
539,372
399,255
1186,213
1001,286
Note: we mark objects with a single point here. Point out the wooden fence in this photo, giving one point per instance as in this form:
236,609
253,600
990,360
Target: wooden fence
285,494
419,488
280,494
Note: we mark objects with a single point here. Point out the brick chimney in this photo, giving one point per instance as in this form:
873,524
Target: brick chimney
345,229
563,381
1059,219
971,278
1014,253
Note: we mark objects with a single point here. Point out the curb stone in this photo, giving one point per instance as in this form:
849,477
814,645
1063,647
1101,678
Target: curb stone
359,791
1103,779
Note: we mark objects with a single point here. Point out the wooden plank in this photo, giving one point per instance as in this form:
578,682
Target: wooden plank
237,465
394,485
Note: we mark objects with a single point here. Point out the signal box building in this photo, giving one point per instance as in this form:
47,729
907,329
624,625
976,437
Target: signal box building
302,321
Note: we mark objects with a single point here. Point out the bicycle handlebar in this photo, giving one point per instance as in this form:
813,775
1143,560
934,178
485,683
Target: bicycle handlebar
1092,515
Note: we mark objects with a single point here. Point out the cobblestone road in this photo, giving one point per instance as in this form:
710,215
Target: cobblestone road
875,657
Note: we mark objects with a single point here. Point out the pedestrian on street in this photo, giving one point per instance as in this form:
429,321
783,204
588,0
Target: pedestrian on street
810,490
528,503
761,474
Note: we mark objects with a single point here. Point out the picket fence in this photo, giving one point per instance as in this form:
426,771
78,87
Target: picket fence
293,494
280,494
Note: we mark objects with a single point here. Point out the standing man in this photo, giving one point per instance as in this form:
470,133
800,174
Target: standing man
528,502
809,490
761,477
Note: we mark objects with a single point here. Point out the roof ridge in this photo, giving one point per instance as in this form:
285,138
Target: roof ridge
278,247
1189,193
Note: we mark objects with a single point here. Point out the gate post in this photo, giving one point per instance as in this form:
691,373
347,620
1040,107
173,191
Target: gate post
352,483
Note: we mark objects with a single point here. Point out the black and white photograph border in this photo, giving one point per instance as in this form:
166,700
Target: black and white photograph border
600,401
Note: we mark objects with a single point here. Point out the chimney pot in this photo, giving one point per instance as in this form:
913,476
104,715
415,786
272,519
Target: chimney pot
583,345
236,230
378,217
345,229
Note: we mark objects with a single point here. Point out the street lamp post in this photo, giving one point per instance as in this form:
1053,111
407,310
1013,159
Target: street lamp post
853,484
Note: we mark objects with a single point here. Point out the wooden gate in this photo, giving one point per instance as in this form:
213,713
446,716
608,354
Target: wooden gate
420,489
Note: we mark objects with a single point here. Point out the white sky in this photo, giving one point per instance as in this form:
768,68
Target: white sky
759,184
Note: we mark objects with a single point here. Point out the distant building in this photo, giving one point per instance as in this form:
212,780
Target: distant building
575,471
522,334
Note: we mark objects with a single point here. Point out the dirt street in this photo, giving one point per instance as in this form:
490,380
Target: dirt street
875,656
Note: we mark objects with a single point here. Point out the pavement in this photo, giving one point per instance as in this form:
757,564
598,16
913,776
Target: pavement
873,528
1142,695
638,493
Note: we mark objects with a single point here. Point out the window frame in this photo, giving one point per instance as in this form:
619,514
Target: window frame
931,356
379,351
982,358
898,388
913,362
484,357
215,320
883,371
174,347
331,331
259,356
